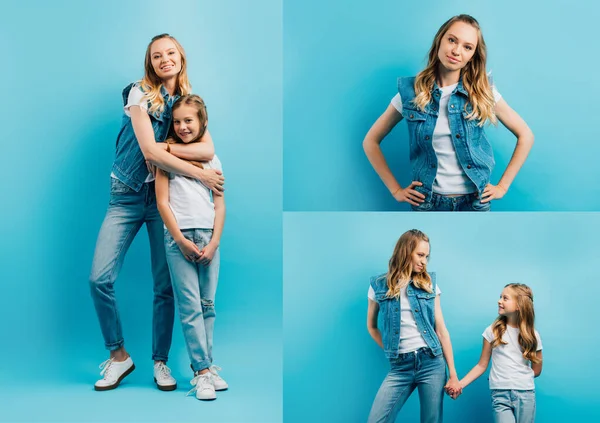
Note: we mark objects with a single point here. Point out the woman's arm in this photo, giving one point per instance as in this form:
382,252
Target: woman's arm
480,367
372,313
201,151
371,144
155,154
187,247
208,252
444,337
537,367
515,124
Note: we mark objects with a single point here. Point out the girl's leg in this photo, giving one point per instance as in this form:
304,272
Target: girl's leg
431,378
395,390
209,278
502,406
123,220
524,402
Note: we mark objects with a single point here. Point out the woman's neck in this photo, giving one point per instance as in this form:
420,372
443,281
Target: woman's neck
170,85
446,77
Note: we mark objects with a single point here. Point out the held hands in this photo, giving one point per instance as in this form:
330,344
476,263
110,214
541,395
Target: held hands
213,179
493,192
453,388
189,250
409,194
207,254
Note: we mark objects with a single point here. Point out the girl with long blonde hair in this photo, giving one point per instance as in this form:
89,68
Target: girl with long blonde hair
140,148
515,348
446,106
405,319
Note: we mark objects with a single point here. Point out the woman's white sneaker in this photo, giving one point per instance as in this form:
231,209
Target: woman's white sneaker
162,377
203,387
113,373
218,381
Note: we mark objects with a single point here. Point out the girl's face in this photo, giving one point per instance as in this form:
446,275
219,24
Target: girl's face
507,304
186,123
166,59
420,256
457,46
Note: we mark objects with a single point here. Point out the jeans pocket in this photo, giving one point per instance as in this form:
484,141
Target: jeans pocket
424,206
477,205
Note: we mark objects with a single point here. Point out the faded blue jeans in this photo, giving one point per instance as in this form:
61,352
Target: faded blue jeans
195,286
513,406
467,202
127,212
419,369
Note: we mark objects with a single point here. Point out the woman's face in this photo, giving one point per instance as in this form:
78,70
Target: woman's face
186,123
420,256
165,58
457,46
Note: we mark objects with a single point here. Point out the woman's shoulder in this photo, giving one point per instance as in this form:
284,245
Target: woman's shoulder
378,280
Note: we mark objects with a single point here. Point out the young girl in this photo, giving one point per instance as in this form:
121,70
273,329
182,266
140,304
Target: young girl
516,351
446,106
146,121
194,225
413,334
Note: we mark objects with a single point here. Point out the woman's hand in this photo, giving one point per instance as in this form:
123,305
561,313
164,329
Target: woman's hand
453,387
189,250
409,194
493,192
213,179
207,254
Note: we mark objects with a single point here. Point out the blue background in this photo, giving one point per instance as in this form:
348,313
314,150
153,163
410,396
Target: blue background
332,367
65,65
341,62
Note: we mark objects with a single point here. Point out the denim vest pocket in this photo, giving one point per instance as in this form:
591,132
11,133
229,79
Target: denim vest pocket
427,303
414,120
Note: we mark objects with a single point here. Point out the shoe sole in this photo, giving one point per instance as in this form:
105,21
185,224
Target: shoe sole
165,387
222,389
113,386
207,399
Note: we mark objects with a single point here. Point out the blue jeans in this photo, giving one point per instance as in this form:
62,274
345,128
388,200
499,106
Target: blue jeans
419,369
127,211
467,202
195,286
513,406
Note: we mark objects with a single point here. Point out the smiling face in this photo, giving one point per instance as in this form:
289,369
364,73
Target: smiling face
507,304
165,58
186,123
457,46
419,256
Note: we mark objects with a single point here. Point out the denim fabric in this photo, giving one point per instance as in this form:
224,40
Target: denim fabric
474,151
126,213
468,202
513,406
419,369
129,165
423,305
195,286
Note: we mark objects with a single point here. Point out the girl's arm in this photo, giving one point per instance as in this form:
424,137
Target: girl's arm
537,367
480,367
155,154
515,124
208,252
372,313
188,248
201,151
444,337
371,144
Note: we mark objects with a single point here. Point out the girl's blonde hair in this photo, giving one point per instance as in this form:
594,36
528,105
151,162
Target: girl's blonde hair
525,320
400,270
151,83
474,77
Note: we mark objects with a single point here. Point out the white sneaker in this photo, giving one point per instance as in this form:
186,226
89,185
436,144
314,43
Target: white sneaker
203,386
113,372
162,377
218,381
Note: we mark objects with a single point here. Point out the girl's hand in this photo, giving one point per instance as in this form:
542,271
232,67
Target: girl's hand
207,254
213,179
492,192
189,250
453,387
409,194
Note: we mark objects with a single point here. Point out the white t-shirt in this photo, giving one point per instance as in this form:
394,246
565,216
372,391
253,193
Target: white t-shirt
450,177
190,200
509,369
410,336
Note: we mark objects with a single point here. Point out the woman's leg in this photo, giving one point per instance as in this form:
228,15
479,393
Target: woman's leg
431,379
502,406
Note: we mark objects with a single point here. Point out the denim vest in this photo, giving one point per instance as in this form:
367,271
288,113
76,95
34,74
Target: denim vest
474,151
129,165
422,304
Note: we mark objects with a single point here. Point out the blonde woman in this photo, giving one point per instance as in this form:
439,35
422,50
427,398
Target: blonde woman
405,319
140,147
446,106
515,348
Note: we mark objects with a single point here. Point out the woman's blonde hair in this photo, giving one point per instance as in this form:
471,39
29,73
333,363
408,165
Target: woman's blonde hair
474,76
400,270
525,321
151,83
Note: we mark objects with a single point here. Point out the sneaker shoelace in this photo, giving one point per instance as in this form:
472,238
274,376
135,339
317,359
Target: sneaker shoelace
213,369
163,371
105,367
199,382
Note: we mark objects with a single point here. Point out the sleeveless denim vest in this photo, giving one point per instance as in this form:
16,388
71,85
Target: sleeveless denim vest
474,151
129,165
422,304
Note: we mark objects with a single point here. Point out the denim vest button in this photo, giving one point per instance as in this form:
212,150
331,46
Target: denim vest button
433,166
416,310
412,116
426,137
424,331
452,106
457,135
468,166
